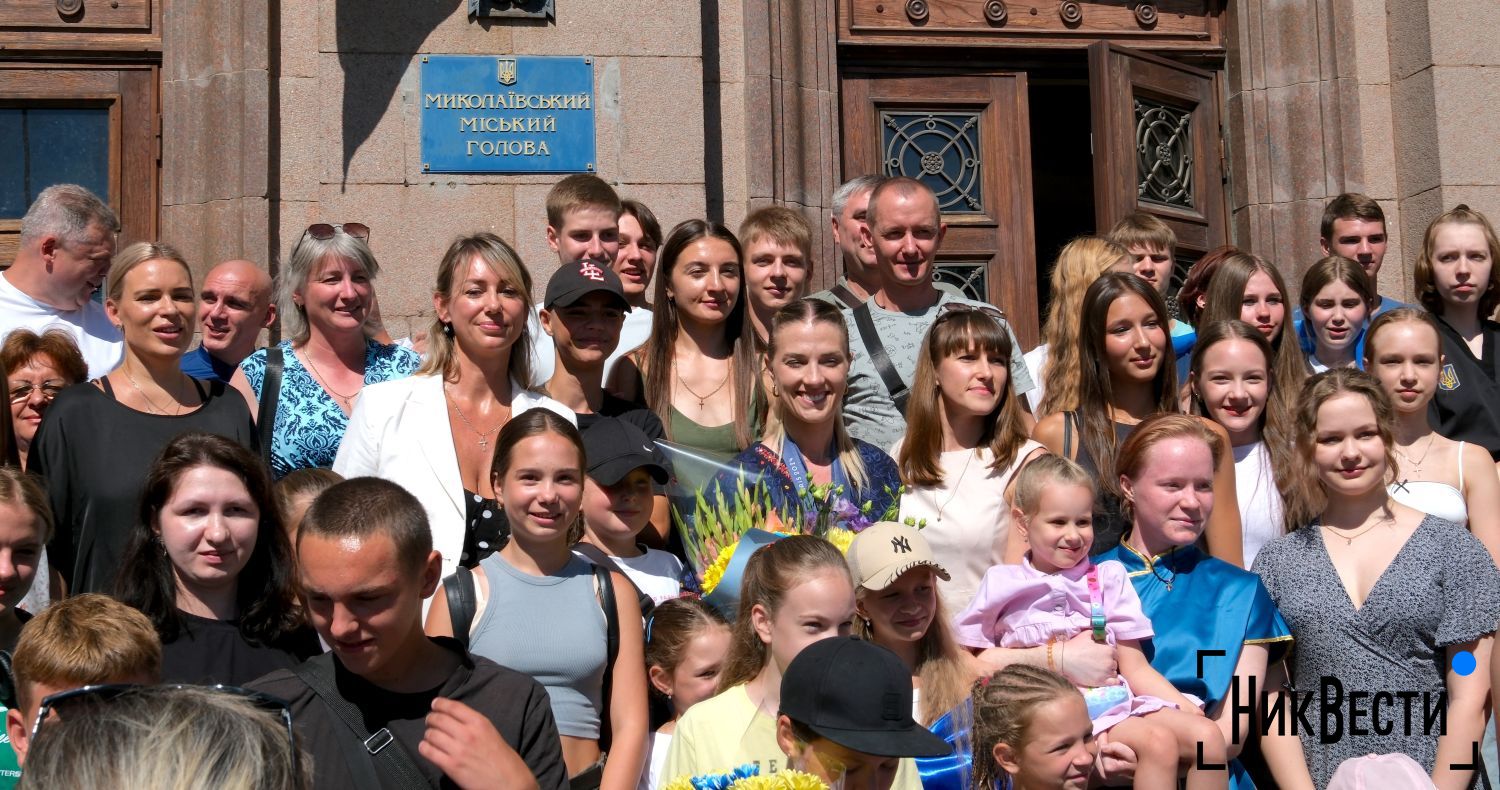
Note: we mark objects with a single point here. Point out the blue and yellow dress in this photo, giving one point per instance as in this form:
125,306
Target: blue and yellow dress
1199,604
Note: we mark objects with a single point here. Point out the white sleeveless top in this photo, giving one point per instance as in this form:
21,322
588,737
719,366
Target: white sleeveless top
1259,501
1438,499
968,518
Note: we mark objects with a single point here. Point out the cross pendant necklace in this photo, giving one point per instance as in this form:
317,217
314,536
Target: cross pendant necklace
484,438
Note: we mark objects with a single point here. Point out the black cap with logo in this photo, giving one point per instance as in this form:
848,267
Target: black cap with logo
858,695
615,448
573,281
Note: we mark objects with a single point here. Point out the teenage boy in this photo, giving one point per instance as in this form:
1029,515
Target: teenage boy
583,225
85,640
778,261
1153,253
846,715
387,706
851,204
1354,227
885,332
617,504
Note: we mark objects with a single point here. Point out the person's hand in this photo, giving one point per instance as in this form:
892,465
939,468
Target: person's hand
1089,663
1115,763
467,748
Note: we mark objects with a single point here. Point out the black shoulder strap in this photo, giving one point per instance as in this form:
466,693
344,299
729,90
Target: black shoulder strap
370,755
842,293
604,586
882,362
597,556
270,391
1068,435
462,603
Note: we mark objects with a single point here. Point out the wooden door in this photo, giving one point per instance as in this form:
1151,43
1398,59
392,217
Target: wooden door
1158,146
967,137
98,126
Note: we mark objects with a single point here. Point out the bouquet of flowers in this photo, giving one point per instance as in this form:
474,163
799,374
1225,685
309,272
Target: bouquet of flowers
747,777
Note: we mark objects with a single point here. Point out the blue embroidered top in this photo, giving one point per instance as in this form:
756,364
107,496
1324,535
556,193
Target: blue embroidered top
309,424
782,477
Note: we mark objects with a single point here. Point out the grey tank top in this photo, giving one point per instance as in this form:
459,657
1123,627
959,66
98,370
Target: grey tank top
551,628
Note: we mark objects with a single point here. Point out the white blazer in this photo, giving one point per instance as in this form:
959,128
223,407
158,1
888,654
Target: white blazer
399,431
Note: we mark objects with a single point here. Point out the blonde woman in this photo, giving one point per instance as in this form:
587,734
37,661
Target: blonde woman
1054,364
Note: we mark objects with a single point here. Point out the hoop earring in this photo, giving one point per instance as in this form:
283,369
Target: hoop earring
775,390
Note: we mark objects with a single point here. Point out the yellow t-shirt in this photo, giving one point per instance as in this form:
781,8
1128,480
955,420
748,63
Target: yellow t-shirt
726,731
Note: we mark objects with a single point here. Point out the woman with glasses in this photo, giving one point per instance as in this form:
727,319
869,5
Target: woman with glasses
37,367
965,442
96,442
434,433
326,291
210,564
804,442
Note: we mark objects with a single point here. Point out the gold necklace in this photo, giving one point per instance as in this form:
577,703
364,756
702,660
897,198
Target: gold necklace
1416,464
702,399
154,408
1349,539
484,438
307,355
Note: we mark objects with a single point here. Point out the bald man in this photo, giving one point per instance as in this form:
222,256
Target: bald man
234,306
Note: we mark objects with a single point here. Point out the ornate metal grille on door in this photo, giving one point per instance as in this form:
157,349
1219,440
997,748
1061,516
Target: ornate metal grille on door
940,149
1164,153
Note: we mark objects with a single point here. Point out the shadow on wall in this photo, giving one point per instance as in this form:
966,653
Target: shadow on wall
388,27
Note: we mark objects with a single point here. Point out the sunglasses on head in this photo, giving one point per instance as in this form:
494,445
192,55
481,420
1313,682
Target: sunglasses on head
105,693
323,231
958,308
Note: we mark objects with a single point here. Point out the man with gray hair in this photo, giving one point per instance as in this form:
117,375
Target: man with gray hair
851,201
67,245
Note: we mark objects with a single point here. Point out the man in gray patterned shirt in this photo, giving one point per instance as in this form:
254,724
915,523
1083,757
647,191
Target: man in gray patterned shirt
905,228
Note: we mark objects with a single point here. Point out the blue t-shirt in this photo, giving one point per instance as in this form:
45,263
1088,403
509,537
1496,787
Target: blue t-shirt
200,364
309,424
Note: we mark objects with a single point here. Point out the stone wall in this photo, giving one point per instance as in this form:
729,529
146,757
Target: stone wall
349,126
1394,98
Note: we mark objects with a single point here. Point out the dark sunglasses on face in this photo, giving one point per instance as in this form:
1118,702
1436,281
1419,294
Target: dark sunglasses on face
105,693
22,392
323,231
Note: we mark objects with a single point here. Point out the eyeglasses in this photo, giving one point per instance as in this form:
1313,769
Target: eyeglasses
105,693
958,308
22,392
323,231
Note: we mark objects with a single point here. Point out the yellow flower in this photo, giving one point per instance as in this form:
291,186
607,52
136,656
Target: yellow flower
785,780
714,573
841,538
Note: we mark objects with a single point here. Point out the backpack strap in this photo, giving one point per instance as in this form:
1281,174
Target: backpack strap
882,361
604,588
270,392
1068,435
462,603
371,756
842,293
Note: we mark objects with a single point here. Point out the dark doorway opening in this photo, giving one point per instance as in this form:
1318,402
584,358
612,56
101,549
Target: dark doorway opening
1062,169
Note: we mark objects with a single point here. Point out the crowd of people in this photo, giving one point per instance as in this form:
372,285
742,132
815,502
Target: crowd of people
1166,547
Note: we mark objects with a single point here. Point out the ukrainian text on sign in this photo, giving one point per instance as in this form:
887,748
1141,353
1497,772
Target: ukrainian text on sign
485,114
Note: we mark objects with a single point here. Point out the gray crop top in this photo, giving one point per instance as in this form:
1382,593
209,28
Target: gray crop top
551,628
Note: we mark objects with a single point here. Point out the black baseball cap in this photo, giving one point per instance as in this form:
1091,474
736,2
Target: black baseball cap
858,695
615,448
575,280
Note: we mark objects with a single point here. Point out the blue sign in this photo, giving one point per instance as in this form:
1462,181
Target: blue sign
483,114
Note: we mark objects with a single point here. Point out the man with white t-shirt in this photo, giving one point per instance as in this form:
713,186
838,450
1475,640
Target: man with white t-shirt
67,245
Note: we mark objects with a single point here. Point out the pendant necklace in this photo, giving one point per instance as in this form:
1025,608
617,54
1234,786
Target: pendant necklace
484,438
323,380
1349,539
702,399
1416,469
159,410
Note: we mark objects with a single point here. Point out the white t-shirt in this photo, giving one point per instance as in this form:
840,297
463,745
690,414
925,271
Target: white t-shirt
102,345
657,573
656,751
1260,502
633,335
968,518
1036,359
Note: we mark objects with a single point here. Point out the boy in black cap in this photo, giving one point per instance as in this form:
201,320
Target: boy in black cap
617,499
582,313
846,715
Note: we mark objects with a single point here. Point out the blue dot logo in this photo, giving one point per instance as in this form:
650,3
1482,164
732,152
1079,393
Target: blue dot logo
1464,663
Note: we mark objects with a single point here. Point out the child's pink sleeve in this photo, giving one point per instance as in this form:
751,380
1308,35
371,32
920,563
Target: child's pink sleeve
1122,606
975,626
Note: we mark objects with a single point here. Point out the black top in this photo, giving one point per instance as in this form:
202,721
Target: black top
487,528
94,454
513,702
213,651
1466,407
1109,519
629,411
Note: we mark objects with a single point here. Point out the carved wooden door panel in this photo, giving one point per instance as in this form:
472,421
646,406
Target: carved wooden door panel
1157,145
968,138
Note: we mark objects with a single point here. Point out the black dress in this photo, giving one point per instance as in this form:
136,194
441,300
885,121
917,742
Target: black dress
1109,518
94,454
1466,406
